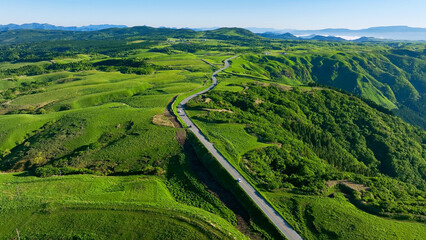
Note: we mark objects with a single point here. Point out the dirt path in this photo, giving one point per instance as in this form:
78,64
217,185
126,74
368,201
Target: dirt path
180,133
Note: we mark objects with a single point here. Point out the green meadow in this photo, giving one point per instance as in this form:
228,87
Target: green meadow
101,122
320,217
94,207
232,139
114,111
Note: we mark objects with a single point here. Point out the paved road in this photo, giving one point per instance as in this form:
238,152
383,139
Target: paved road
273,215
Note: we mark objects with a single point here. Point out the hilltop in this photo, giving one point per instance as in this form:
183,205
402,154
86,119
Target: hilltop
35,35
230,33
38,35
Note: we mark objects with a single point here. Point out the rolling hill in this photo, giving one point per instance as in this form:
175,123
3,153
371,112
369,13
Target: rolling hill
391,77
39,35
87,134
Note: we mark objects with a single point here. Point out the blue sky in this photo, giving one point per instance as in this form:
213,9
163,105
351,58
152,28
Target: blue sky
280,14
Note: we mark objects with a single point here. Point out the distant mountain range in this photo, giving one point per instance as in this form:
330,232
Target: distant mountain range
389,32
289,36
329,34
45,26
39,35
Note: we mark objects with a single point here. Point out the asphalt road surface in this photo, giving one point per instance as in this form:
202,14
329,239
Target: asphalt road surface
269,211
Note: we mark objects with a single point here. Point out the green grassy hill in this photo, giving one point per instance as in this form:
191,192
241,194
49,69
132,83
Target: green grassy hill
230,34
24,36
92,207
88,119
335,218
95,114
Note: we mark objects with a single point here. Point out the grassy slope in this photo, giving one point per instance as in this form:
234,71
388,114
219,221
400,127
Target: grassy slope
232,138
326,69
101,208
103,121
325,218
392,76
84,94
13,134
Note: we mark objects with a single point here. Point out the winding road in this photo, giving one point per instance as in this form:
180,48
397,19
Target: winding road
267,209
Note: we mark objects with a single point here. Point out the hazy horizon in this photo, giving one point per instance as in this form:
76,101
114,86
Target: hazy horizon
286,14
215,27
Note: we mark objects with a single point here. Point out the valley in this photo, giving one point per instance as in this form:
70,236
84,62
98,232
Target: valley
91,147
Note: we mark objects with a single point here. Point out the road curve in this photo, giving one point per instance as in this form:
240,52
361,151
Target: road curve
267,209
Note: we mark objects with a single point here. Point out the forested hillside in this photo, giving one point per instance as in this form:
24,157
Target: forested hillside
340,129
392,76
315,138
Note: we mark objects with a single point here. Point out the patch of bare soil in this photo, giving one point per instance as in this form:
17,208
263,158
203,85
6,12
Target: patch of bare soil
262,84
279,145
258,101
283,87
162,120
311,90
181,136
181,133
351,185
279,86
7,103
217,110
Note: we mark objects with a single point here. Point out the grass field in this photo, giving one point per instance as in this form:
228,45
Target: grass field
9,65
322,217
110,108
13,134
143,139
103,121
91,207
247,68
78,57
231,139
231,83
